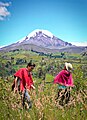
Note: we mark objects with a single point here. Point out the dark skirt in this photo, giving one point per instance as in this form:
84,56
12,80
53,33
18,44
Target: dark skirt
63,96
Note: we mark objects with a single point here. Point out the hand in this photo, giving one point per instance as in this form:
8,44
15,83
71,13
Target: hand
15,90
28,90
33,87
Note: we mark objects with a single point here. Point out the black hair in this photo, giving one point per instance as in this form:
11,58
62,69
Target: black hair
30,64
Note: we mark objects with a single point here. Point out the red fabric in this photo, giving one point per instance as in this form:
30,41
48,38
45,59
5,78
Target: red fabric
64,78
25,78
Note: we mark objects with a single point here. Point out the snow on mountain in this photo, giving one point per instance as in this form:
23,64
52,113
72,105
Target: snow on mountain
43,41
33,34
43,38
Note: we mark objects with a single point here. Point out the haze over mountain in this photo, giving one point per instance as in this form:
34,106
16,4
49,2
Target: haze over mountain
43,41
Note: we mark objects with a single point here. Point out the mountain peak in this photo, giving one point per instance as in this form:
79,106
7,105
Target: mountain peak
40,30
43,38
34,33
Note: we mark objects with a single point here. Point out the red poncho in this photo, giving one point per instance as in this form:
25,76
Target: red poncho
25,78
64,78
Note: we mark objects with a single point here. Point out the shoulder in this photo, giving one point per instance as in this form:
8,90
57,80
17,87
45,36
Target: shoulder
62,71
22,69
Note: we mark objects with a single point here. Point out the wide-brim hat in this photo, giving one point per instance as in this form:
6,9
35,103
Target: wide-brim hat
68,66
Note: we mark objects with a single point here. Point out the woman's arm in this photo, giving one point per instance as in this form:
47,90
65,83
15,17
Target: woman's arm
16,85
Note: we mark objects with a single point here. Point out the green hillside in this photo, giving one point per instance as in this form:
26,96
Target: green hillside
43,97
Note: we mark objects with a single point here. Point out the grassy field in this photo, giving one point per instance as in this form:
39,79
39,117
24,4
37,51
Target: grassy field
43,97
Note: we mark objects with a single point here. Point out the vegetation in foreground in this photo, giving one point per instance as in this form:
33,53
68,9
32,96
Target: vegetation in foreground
44,105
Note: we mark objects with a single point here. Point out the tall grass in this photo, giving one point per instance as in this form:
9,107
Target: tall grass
43,97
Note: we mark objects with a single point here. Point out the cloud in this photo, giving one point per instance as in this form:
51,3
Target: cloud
79,43
2,46
3,10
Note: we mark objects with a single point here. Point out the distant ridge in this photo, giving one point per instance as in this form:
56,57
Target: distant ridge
43,38
43,41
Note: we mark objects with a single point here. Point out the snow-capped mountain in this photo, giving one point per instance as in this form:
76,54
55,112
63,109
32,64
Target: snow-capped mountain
43,38
34,33
43,41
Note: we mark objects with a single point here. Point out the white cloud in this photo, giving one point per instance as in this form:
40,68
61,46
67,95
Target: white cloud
79,43
3,10
2,46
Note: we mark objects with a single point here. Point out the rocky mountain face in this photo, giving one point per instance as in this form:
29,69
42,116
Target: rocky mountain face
43,41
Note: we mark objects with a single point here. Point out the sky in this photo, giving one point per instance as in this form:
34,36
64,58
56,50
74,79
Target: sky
66,19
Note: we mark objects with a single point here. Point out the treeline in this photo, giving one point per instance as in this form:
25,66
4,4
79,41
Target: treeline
7,67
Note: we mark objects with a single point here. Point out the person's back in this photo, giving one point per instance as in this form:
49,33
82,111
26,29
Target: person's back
64,78
65,81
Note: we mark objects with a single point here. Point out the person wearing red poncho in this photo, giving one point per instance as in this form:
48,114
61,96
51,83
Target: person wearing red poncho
65,82
24,82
